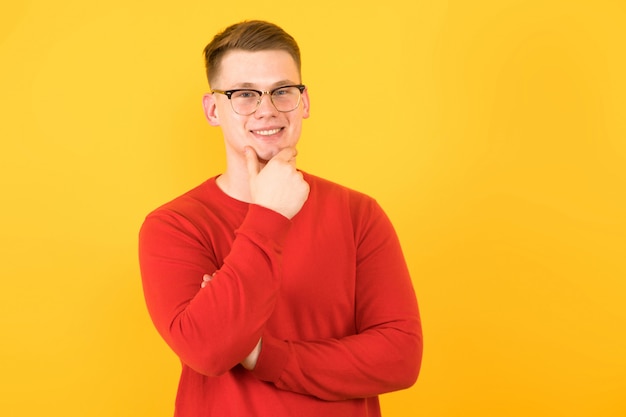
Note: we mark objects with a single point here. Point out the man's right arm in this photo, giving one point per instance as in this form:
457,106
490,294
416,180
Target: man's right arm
213,325
214,328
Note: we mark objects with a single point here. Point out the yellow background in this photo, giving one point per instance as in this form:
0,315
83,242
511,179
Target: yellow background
492,132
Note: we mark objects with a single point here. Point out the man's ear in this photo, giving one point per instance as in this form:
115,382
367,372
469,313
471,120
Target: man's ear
210,109
306,104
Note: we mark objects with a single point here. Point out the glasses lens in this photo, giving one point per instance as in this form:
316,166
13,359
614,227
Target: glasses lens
244,101
286,98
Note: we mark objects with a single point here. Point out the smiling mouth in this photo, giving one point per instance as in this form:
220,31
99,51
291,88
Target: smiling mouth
269,132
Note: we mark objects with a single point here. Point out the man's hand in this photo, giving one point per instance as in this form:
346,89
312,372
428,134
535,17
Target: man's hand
250,361
205,279
278,186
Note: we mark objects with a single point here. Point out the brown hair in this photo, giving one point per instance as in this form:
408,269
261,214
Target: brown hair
252,35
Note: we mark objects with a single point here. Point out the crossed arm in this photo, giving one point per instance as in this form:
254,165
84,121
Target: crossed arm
217,322
214,328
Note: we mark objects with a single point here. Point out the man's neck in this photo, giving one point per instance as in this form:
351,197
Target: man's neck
235,186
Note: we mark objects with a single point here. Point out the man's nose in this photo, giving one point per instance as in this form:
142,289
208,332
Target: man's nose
266,106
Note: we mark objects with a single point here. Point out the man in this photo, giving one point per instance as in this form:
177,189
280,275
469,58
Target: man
283,294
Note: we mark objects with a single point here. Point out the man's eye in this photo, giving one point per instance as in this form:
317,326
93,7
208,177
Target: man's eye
245,94
281,92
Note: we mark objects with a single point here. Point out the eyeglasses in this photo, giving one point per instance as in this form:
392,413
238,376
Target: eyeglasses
245,101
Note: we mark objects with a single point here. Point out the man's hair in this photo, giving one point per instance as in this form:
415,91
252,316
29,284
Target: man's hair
252,35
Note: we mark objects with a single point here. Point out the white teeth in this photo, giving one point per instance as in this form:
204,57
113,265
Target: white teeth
267,132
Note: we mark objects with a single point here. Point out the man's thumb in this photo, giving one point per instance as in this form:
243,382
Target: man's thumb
252,161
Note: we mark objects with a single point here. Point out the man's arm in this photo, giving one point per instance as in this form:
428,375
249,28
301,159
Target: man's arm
219,326
384,355
214,328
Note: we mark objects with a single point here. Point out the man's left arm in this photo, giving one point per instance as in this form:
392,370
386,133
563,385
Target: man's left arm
385,353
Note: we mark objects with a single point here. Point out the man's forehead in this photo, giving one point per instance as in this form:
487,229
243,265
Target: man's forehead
265,57
258,69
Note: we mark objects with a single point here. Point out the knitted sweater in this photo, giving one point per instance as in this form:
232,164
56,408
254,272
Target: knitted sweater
328,292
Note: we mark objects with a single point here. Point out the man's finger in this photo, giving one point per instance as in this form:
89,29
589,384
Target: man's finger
287,155
205,279
252,161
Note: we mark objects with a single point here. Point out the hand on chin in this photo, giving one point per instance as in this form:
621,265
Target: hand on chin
264,155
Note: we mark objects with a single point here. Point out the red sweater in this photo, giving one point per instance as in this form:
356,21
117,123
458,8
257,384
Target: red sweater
328,292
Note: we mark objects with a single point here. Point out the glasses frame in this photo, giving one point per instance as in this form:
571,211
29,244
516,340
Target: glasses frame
229,94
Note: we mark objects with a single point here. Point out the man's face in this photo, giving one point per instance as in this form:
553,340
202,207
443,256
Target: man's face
267,130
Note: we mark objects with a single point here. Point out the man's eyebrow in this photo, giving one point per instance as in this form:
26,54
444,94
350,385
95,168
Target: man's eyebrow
284,82
244,85
256,87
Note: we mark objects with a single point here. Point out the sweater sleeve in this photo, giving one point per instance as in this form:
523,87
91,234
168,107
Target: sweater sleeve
211,329
385,353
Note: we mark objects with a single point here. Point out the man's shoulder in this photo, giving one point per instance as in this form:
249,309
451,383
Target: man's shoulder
326,185
192,200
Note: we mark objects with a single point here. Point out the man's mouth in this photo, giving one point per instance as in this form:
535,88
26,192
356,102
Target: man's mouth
266,132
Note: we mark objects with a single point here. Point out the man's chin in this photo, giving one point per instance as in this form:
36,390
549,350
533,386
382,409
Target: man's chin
263,161
266,154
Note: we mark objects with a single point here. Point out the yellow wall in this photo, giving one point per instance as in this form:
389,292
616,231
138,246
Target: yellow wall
493,132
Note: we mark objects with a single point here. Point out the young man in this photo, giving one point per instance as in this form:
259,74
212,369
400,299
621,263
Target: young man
283,294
